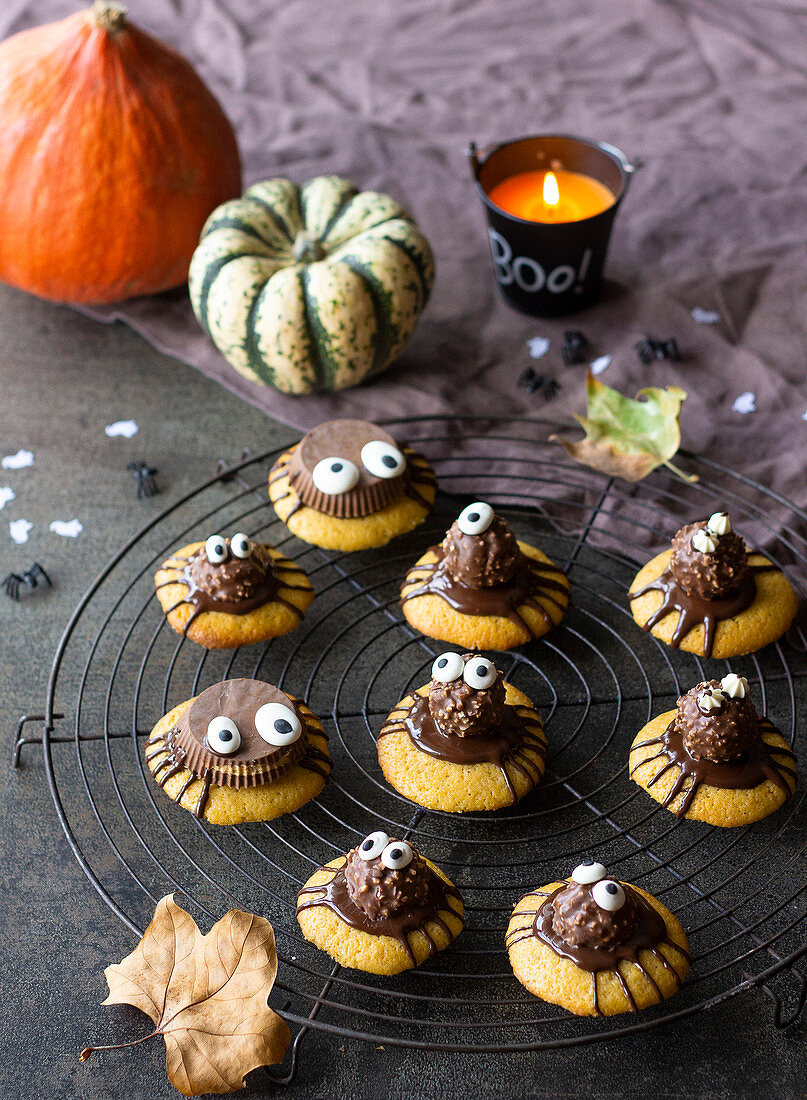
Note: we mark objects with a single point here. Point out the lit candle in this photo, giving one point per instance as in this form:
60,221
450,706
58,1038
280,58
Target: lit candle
558,196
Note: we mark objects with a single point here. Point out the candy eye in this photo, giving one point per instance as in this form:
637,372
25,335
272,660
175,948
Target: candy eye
448,667
333,476
397,855
216,549
373,845
479,673
608,894
277,724
588,871
223,735
240,545
382,460
475,519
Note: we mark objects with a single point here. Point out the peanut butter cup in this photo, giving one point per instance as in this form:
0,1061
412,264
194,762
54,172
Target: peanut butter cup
383,889
629,944
237,735
714,758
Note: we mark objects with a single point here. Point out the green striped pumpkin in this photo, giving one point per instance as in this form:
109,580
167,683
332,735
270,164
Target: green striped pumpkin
310,288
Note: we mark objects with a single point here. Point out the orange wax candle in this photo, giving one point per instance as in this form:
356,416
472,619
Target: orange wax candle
559,196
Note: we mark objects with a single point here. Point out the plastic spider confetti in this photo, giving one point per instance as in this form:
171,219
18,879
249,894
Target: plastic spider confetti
144,475
650,348
549,388
575,347
13,583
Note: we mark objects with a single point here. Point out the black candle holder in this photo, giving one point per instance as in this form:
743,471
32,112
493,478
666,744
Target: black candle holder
548,269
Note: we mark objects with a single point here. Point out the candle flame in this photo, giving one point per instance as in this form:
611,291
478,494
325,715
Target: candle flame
551,192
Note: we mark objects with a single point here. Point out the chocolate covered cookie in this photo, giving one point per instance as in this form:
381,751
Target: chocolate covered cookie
241,751
382,908
481,588
347,485
465,741
596,946
225,593
710,595
714,758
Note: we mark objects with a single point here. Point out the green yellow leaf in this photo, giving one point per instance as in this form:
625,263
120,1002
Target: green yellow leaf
628,437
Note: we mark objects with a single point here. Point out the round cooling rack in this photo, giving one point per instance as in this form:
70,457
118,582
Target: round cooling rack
741,894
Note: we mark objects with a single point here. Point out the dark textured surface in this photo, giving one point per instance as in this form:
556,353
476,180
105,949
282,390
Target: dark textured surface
62,379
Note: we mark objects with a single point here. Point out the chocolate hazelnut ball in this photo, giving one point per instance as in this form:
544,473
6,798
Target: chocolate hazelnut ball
708,576
481,561
464,711
723,734
381,892
234,579
580,922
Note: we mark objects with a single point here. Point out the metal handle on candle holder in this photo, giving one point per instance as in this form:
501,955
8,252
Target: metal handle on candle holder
628,167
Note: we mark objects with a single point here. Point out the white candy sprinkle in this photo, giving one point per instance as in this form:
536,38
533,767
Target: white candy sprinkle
19,528
703,542
710,700
126,428
17,461
736,687
599,365
746,403
6,495
69,528
718,524
539,346
704,316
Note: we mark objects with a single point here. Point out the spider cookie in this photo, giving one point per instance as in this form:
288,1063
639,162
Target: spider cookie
241,751
481,588
712,596
714,758
382,908
347,485
225,593
595,946
465,741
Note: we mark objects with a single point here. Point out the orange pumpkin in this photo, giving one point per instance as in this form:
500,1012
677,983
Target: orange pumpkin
112,154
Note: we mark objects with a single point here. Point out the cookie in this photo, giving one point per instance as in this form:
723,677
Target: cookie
713,758
347,485
481,588
711,596
226,593
596,946
241,751
382,907
465,741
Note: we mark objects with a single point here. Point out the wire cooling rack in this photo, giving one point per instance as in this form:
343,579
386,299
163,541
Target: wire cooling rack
741,894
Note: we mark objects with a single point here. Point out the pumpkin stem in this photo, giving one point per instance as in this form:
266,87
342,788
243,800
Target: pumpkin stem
306,248
107,15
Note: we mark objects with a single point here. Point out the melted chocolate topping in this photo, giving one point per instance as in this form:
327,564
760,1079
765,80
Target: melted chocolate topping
505,748
530,579
641,929
752,768
361,500
234,587
409,913
254,764
694,610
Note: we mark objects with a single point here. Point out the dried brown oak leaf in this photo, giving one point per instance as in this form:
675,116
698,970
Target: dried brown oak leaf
206,995
628,438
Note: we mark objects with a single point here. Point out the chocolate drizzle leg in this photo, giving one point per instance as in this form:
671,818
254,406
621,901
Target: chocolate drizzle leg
511,746
407,915
752,768
530,582
569,922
